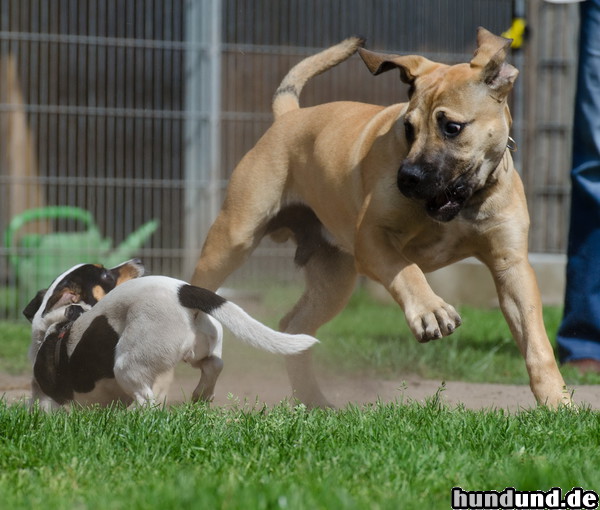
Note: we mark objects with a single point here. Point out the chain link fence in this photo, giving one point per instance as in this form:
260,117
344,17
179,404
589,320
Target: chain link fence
121,120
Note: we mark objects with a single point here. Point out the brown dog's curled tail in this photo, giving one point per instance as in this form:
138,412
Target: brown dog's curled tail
288,92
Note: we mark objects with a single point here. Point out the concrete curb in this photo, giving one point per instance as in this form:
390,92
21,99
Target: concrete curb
469,282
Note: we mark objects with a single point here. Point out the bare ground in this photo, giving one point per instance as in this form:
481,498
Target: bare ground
250,376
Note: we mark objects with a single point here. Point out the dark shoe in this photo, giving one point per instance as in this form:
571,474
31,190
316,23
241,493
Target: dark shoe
585,365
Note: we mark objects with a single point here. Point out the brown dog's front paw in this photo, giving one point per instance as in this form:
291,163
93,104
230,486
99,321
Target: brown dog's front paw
435,322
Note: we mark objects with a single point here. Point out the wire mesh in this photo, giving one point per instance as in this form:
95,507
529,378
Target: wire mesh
118,107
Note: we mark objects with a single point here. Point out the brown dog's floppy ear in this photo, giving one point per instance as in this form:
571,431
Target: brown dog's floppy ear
411,66
34,305
490,57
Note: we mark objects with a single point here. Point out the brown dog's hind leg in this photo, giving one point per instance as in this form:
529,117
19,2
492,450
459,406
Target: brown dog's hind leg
226,248
249,205
330,280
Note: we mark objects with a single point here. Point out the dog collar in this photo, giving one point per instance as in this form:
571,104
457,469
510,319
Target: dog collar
63,333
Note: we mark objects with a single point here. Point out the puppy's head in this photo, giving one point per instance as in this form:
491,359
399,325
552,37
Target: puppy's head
456,124
83,284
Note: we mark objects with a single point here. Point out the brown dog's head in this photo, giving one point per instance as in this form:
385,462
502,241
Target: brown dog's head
456,123
85,284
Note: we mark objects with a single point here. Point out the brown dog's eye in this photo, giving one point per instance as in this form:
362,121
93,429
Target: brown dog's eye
451,129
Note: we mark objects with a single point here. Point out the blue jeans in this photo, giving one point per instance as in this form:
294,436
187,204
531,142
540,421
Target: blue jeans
579,333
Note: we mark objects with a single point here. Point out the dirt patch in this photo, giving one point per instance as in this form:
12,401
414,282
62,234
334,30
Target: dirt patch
14,387
271,386
252,376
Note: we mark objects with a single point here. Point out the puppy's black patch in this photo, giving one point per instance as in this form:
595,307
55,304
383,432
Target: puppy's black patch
198,298
94,356
51,367
93,359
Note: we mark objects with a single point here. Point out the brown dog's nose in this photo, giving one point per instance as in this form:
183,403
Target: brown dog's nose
410,179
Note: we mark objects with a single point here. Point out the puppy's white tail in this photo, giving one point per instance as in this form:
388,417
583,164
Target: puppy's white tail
286,97
242,325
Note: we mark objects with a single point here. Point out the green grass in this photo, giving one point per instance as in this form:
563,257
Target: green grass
386,456
14,342
382,456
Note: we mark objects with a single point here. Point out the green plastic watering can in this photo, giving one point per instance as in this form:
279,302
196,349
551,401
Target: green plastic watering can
39,258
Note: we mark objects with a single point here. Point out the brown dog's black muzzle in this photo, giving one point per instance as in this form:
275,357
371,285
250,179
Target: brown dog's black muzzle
443,200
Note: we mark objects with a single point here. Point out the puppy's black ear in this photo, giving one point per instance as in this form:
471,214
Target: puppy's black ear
72,312
34,305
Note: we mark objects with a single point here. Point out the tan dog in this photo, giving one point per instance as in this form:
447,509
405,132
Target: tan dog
391,193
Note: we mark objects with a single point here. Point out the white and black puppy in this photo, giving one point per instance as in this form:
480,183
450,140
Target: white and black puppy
118,348
53,310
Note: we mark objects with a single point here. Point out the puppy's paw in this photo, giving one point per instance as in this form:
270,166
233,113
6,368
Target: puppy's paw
432,322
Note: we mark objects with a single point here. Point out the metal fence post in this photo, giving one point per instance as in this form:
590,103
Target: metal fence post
203,124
